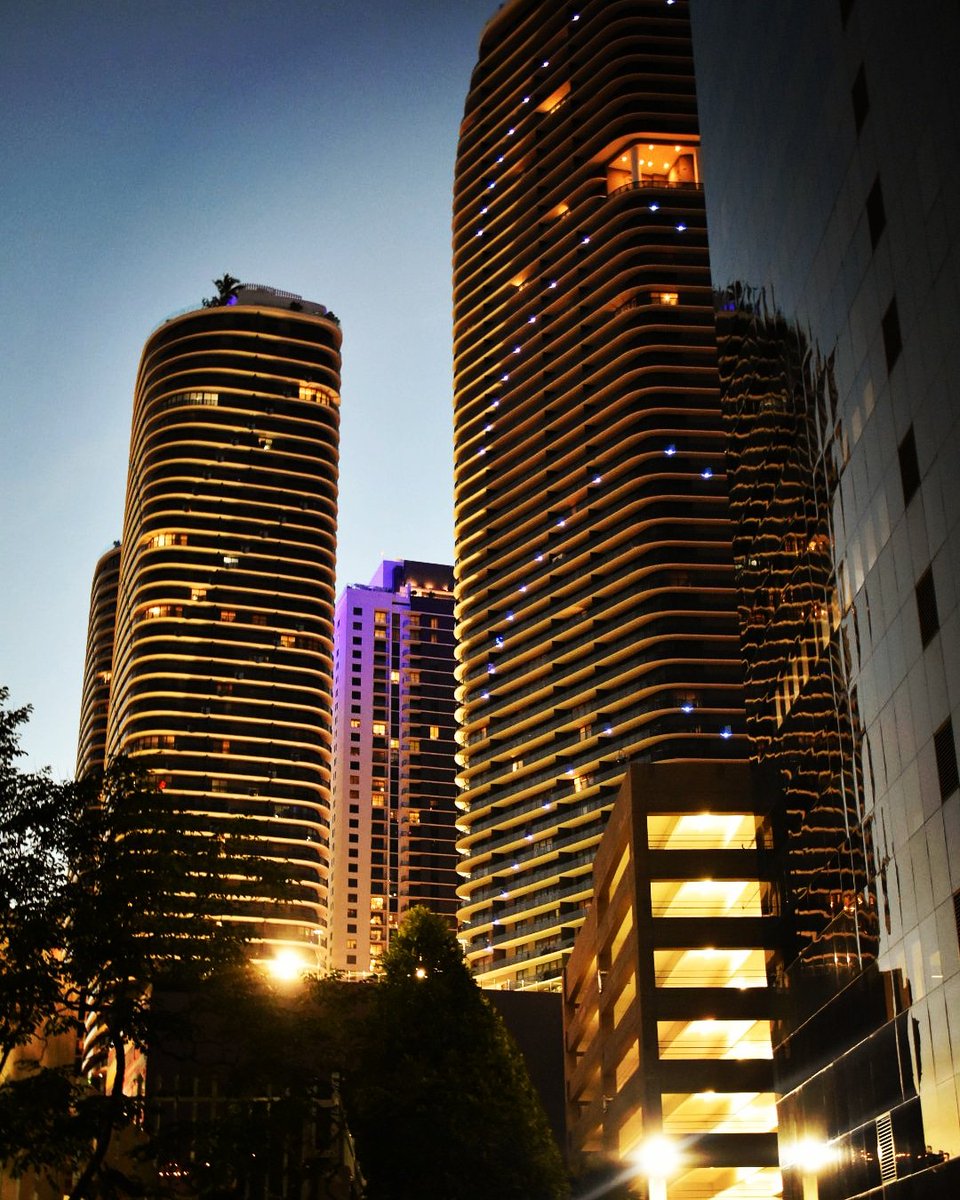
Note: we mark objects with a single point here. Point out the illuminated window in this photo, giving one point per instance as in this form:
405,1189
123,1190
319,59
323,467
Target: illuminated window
156,611
287,641
351,943
231,560
377,800
668,298
316,394
413,746
198,593
379,617
227,614
394,676
218,785
434,731
414,816
354,723
225,746
379,728
161,540
654,165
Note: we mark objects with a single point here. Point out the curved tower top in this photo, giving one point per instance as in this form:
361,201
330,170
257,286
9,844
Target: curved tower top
222,670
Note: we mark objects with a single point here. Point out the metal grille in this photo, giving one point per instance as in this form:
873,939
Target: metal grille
886,1150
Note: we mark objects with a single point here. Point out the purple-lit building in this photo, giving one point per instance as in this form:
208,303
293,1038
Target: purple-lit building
394,768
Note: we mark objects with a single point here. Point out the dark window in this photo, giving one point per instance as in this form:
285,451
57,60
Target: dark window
909,466
876,216
927,613
846,8
892,342
956,912
946,752
861,101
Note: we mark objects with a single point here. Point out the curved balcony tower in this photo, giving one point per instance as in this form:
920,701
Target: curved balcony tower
222,668
595,587
95,696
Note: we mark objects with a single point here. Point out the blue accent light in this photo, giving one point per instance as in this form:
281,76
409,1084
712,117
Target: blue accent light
681,228
706,473
654,207
670,450
726,732
499,641
510,615
531,320
491,669
686,708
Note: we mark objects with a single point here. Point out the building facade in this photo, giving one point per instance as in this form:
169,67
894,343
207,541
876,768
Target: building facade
222,659
667,996
394,766
832,183
98,664
595,591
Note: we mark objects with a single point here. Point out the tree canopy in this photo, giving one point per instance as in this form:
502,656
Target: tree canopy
439,1098
107,893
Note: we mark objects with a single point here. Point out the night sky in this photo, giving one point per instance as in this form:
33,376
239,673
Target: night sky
147,148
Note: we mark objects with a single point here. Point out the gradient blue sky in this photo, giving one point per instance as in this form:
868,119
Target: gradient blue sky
145,149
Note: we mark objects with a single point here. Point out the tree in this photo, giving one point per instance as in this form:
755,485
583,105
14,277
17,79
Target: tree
109,894
226,291
439,1097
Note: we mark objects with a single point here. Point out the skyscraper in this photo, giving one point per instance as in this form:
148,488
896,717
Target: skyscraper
833,177
95,695
394,787
223,650
595,590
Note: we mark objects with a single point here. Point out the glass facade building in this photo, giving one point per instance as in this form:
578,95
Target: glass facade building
830,135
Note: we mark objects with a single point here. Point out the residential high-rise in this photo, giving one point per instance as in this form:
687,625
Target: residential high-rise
595,590
394,768
95,696
832,181
222,662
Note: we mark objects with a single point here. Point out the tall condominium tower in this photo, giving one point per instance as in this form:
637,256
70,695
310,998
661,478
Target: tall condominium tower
222,663
394,768
595,591
95,696
833,187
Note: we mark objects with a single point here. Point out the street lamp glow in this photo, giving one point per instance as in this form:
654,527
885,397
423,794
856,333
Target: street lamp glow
657,1157
809,1154
286,966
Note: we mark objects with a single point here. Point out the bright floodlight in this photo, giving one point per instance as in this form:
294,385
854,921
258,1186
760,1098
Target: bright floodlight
809,1154
420,972
286,966
657,1157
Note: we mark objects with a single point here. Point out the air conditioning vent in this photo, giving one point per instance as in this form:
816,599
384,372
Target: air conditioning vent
885,1149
